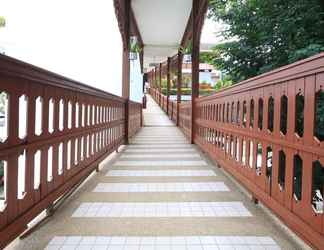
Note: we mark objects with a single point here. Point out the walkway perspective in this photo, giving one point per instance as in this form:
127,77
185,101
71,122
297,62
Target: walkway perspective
158,193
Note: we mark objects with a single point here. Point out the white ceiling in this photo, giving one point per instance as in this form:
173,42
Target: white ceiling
161,24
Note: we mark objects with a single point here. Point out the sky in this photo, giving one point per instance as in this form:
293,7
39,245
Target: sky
79,39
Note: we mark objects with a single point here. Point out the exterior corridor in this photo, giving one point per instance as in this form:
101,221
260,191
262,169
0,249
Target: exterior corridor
158,193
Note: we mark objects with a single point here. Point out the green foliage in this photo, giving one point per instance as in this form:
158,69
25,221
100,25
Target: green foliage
319,116
263,35
186,50
226,82
207,57
1,169
134,46
187,91
2,21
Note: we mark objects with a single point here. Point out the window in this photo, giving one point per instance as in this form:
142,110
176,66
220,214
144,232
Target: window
23,115
282,170
298,176
39,116
21,175
37,169
260,114
244,114
51,115
227,112
232,146
69,114
50,164
4,115
283,114
232,113
251,113
269,162
238,113
237,151
299,115
60,159
258,163
3,184
319,115
61,115
251,155
217,112
77,115
318,187
244,152
270,113
68,158
223,115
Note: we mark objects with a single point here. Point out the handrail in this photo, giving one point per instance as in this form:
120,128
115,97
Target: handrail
268,133
58,131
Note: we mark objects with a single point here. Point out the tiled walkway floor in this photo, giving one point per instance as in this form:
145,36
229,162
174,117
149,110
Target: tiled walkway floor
159,193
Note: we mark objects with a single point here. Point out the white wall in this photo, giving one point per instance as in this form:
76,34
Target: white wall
136,81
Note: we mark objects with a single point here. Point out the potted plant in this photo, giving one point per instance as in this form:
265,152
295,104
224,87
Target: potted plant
134,48
186,51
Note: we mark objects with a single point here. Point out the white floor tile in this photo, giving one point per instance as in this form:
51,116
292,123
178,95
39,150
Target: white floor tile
166,173
161,187
166,163
162,209
161,155
159,150
162,242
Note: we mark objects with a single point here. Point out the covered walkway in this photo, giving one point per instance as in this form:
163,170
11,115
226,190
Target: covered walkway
159,192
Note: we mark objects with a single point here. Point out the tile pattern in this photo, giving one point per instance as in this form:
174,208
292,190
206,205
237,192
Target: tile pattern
161,187
159,150
162,209
174,163
159,173
161,155
150,145
162,243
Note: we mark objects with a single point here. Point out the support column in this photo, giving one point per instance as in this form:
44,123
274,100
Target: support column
168,83
179,83
125,67
156,85
195,64
160,84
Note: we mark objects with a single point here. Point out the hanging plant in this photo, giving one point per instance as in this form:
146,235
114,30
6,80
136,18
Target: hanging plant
186,51
134,48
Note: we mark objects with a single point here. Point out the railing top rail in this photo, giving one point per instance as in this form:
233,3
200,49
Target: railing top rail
12,67
302,68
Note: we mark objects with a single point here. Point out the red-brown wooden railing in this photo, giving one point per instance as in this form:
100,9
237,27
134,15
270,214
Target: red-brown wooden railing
79,126
268,133
135,118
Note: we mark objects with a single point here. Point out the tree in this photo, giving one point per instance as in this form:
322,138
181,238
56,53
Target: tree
263,35
2,21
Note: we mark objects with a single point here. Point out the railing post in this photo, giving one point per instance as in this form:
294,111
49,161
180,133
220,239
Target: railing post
195,63
168,84
179,83
125,68
155,84
160,84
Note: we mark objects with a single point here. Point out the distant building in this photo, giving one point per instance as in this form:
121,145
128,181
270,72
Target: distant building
207,73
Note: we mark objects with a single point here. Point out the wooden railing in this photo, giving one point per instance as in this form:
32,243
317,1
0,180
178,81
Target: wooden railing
54,133
268,132
135,118
185,118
